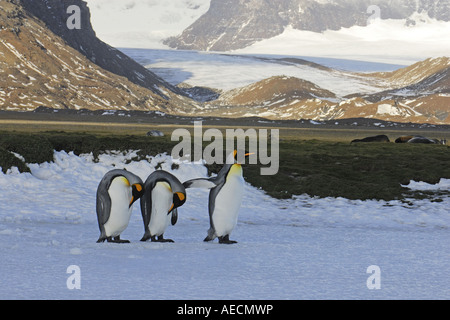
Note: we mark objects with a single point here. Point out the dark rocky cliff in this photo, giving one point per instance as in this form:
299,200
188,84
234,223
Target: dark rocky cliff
54,14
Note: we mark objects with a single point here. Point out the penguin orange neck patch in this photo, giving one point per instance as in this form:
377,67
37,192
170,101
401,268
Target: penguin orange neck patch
235,170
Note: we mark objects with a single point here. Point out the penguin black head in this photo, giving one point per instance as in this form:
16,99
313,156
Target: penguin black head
179,198
137,192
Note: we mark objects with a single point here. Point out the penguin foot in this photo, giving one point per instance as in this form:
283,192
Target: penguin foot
226,240
116,240
161,239
166,240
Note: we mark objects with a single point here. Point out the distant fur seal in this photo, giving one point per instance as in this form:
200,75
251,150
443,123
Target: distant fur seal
379,138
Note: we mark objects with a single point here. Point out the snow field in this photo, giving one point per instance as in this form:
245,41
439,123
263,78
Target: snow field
386,41
201,69
302,248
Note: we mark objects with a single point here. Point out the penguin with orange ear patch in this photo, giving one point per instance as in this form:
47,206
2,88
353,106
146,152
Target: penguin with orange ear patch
164,193
225,198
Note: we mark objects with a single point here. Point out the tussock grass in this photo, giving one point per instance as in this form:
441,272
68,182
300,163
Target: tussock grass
358,171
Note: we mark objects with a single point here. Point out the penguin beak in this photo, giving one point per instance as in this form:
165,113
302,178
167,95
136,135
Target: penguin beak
246,156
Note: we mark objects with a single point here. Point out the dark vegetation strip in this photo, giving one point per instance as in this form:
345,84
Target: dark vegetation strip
315,167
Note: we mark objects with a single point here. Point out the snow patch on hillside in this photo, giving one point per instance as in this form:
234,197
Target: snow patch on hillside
388,109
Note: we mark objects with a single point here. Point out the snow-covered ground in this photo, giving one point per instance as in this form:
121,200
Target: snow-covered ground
303,248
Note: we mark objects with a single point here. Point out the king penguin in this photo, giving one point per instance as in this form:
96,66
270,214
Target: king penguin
163,194
116,193
225,198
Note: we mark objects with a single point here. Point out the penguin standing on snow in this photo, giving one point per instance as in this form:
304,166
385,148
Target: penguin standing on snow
164,193
116,193
225,198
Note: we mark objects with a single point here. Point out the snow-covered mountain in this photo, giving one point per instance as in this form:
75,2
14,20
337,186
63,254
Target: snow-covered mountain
388,31
143,23
235,24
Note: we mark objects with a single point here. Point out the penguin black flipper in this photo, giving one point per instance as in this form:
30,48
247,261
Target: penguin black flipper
174,218
201,183
146,211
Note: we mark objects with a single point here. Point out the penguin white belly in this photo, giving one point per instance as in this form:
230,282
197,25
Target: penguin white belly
162,199
227,204
120,193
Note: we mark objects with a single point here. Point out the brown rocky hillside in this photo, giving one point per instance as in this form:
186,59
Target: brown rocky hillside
292,98
275,91
416,73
